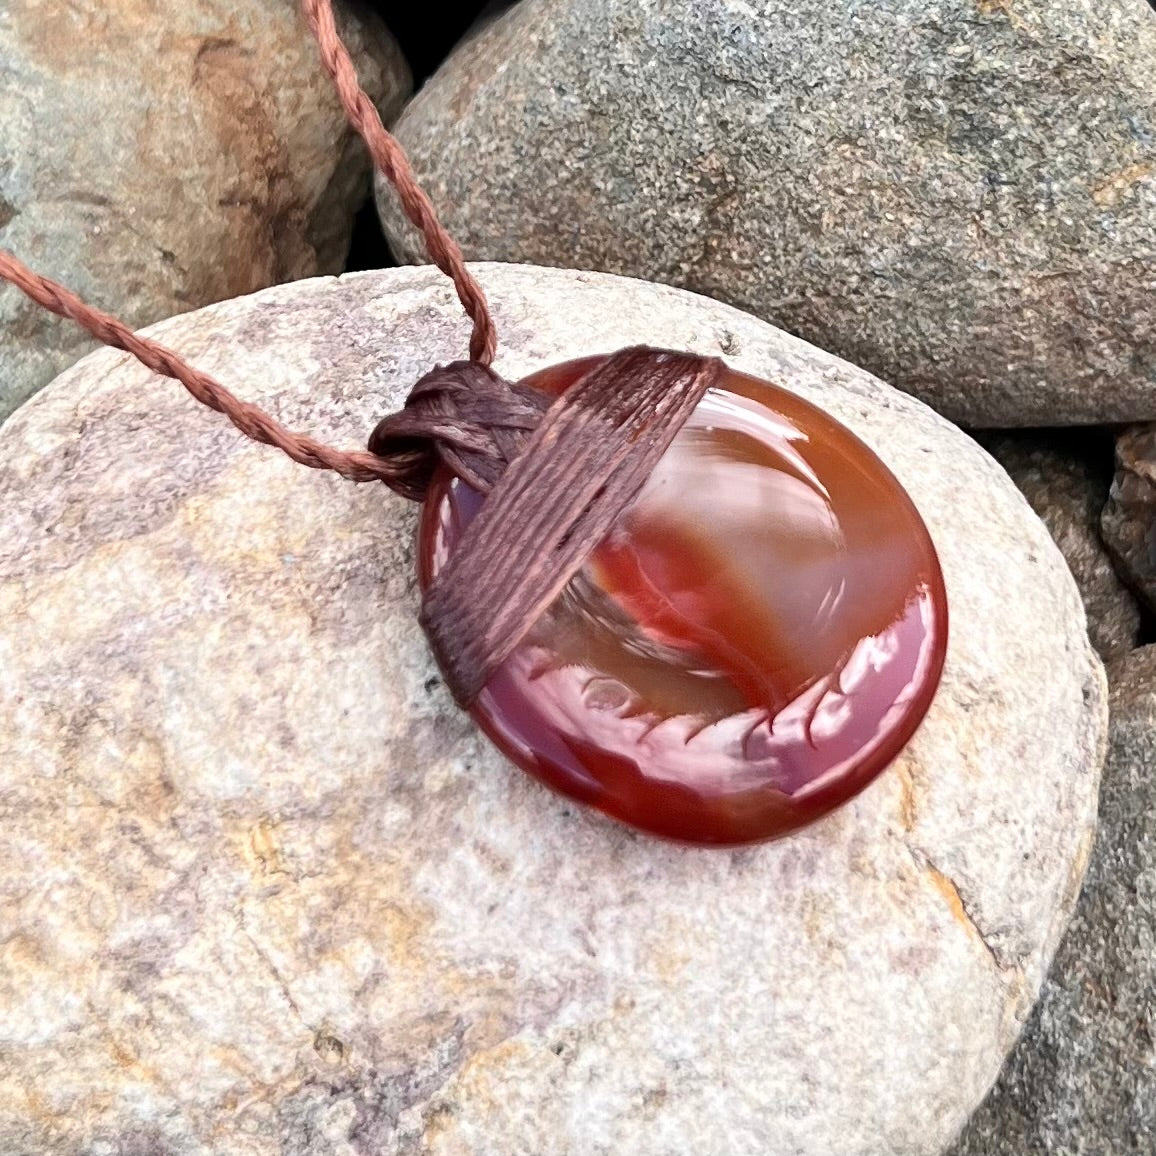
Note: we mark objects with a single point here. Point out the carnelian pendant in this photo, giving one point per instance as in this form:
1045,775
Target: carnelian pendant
756,639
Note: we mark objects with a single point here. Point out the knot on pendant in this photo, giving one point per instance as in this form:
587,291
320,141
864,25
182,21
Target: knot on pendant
557,472
463,416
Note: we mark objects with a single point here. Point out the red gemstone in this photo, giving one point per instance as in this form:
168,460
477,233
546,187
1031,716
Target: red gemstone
755,641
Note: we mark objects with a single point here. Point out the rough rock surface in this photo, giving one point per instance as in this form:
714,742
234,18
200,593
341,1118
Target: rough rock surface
959,195
1129,519
1079,1082
156,158
1066,480
264,890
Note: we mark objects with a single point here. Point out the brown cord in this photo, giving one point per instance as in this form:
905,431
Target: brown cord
253,422
390,159
575,475
463,416
249,419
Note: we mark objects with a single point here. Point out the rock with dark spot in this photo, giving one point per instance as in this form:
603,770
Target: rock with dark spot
1079,1082
264,891
959,195
156,158
1066,478
1129,520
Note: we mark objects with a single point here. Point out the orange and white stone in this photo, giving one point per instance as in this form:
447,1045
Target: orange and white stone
753,643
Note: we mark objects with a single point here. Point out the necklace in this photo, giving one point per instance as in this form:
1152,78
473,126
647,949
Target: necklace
669,590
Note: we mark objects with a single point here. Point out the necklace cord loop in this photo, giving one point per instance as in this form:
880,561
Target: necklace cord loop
561,493
252,421
557,474
390,160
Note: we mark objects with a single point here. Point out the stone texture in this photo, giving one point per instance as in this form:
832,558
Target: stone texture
717,675
1079,1082
1066,479
264,890
1129,519
959,195
156,158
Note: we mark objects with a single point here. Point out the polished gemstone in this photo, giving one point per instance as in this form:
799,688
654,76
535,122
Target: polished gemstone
757,638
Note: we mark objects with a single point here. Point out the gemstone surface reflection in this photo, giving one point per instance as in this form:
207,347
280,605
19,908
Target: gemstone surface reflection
755,641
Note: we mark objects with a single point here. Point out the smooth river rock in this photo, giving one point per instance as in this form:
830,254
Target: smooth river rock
1066,476
959,195
265,890
1128,522
1079,1082
156,158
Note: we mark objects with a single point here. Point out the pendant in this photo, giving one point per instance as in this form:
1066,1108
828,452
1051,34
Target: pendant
756,639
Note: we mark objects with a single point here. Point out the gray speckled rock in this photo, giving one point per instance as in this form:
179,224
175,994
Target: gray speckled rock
1129,519
156,158
959,195
1080,1082
1066,479
264,890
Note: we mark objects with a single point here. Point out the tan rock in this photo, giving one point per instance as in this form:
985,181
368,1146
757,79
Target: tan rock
264,890
156,158
1065,480
1130,512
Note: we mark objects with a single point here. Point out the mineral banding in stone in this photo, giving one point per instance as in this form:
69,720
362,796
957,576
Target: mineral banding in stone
753,643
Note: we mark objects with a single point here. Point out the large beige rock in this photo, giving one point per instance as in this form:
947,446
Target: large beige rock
157,157
959,195
264,890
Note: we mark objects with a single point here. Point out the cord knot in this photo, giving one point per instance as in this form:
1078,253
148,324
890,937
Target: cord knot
462,415
558,473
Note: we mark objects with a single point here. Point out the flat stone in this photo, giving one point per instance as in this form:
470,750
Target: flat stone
958,195
158,158
1129,516
264,889
1066,479
1079,1082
